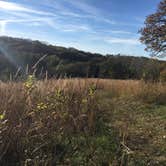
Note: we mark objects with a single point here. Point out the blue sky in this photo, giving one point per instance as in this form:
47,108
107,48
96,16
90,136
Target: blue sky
102,26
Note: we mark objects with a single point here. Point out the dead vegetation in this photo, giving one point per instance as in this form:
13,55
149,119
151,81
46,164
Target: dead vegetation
82,122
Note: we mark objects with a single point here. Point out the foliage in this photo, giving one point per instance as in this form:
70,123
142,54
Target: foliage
151,71
154,32
61,62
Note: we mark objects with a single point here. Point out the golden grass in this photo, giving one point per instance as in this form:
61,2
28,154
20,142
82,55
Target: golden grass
58,118
119,86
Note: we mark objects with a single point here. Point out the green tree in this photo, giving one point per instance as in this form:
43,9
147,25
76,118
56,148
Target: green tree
151,71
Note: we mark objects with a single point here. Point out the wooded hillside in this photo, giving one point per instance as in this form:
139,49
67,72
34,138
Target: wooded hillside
18,53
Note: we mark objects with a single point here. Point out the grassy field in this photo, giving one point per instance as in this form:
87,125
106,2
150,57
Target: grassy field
87,122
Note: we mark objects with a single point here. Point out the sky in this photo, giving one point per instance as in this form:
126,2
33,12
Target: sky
101,26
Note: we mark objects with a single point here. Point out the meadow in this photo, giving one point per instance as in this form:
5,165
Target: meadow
100,122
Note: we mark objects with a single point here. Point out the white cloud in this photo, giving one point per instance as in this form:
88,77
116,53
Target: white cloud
120,32
10,6
67,27
17,13
32,21
74,28
123,41
90,11
22,14
86,8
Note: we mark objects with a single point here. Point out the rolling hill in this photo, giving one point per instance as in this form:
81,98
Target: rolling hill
16,53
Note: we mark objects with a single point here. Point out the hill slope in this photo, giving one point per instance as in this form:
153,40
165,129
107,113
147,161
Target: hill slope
60,61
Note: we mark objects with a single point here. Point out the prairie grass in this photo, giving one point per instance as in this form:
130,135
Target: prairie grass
81,122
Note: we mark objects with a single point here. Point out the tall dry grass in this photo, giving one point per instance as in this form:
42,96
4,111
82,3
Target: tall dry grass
62,122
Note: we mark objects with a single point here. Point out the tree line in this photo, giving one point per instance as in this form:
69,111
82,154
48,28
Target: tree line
18,56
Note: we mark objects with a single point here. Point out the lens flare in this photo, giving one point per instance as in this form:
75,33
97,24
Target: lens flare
7,53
